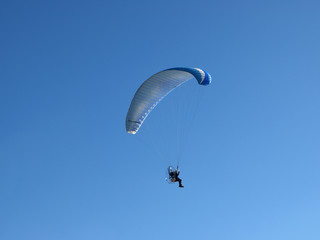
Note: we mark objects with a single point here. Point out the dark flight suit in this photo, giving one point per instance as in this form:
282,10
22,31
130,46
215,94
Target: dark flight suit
174,177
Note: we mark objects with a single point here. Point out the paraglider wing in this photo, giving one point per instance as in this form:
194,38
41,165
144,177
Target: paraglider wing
154,89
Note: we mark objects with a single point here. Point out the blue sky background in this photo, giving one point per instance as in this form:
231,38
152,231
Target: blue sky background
69,170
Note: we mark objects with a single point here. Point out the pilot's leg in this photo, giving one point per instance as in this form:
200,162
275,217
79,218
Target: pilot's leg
179,180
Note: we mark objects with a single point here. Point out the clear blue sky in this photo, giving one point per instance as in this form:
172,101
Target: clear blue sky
69,170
